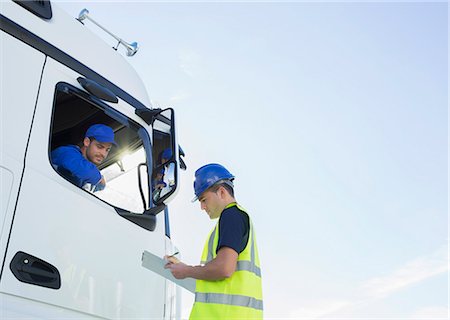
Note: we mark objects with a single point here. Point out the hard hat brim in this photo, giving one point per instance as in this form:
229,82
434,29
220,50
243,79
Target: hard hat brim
225,181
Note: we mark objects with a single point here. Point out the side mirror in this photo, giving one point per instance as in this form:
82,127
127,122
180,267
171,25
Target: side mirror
165,155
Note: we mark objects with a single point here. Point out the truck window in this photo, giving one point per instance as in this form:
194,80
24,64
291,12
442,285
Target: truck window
99,150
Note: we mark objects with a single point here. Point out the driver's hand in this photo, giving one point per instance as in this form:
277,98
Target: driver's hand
100,185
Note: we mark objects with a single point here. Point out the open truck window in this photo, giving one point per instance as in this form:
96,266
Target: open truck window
124,171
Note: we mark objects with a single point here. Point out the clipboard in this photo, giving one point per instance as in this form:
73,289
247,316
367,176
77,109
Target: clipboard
156,264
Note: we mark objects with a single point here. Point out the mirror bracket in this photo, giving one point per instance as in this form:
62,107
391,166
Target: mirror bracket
155,210
147,220
148,115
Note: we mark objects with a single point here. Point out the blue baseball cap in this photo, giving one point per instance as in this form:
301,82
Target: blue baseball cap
166,154
101,133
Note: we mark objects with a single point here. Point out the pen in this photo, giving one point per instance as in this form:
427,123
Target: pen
173,254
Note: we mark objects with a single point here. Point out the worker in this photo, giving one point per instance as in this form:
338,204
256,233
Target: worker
78,163
228,284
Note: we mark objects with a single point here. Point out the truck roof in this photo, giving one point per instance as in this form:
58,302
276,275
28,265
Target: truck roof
76,40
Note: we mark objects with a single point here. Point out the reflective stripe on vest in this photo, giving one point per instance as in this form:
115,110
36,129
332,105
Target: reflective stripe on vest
241,265
230,299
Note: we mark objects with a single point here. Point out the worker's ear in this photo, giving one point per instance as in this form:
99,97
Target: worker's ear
86,142
222,192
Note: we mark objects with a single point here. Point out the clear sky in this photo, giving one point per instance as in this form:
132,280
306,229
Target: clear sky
334,119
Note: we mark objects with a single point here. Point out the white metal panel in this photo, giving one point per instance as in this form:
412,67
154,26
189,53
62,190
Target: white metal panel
75,39
173,294
6,183
21,68
20,72
17,308
97,252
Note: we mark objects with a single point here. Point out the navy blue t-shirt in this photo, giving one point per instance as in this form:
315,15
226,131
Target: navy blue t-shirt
234,227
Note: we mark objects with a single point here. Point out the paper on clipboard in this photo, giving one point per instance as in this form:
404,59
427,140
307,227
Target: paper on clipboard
156,264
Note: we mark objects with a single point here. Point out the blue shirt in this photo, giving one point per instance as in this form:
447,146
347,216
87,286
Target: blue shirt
234,227
69,162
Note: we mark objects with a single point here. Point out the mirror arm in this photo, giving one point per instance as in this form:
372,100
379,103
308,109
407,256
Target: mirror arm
180,151
181,154
182,164
148,115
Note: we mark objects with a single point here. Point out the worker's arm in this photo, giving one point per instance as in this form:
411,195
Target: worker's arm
221,267
71,159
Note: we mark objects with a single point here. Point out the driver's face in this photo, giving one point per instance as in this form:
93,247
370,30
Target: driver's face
97,151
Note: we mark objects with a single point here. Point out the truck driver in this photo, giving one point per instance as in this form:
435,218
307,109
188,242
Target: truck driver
78,163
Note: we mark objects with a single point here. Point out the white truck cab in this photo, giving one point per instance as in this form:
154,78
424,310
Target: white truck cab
67,252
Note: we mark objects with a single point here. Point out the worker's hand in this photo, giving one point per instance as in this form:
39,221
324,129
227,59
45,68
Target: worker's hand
179,269
171,259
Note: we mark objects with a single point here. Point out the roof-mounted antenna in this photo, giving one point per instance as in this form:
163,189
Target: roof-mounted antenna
132,48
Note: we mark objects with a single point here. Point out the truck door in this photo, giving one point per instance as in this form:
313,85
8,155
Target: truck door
17,101
60,231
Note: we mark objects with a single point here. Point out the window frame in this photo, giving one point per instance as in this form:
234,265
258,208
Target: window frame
115,115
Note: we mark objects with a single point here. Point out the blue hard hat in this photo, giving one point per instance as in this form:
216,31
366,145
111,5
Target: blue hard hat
209,175
101,133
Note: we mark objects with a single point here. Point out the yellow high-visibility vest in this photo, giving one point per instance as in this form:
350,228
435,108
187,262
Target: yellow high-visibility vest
237,297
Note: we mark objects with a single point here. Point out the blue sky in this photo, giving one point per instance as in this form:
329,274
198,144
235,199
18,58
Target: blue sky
334,119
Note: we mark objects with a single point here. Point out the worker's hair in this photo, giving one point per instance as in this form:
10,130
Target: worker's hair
81,143
227,187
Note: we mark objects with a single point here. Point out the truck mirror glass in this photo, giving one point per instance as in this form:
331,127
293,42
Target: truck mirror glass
167,184
165,157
